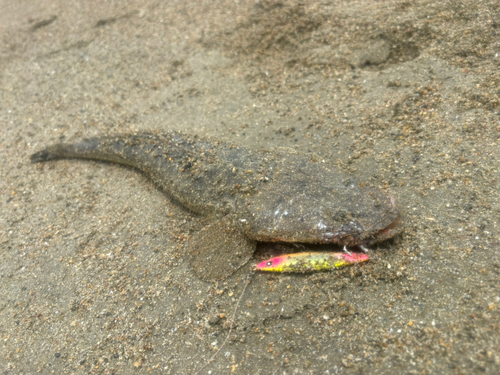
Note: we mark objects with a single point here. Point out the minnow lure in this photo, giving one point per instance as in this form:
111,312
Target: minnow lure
246,195
310,262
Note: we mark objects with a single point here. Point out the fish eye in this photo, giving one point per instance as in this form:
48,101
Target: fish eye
269,264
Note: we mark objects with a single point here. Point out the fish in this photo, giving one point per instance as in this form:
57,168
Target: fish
247,196
310,262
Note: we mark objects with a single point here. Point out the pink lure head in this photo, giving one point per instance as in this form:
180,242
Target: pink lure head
355,257
273,264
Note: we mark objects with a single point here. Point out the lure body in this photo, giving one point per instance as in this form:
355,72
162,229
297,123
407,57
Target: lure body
310,262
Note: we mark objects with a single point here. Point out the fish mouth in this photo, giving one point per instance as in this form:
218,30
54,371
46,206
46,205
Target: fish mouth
393,228
380,234
390,231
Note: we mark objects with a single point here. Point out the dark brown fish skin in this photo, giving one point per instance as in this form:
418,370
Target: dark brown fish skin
274,196
197,173
249,195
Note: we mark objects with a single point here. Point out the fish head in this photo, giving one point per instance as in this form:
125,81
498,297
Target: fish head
318,207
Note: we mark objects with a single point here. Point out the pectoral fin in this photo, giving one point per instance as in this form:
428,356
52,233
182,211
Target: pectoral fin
219,250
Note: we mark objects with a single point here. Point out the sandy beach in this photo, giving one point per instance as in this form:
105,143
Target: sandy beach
402,95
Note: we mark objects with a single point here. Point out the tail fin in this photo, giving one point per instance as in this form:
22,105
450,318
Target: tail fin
93,148
43,155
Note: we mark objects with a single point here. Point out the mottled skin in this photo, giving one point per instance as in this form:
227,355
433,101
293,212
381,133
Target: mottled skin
251,195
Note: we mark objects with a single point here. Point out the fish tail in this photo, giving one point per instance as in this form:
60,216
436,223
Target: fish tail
112,149
83,150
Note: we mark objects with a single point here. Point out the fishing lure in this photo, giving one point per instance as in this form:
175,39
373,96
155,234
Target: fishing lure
298,262
310,262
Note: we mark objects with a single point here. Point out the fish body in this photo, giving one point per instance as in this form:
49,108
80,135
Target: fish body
310,262
251,195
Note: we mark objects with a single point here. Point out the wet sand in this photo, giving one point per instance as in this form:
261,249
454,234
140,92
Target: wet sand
401,95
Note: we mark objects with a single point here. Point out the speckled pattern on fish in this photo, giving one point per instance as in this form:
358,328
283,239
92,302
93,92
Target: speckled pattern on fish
251,196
